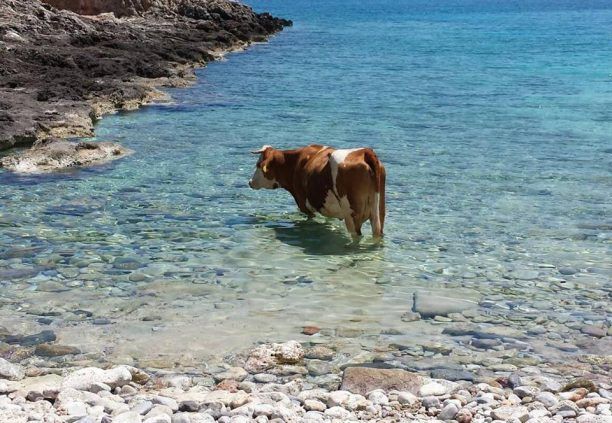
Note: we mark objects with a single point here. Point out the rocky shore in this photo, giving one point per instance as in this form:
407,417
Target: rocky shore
291,382
60,71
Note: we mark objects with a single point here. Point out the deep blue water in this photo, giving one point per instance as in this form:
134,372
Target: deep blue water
494,120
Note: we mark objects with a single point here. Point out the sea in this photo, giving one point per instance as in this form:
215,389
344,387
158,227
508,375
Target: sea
492,118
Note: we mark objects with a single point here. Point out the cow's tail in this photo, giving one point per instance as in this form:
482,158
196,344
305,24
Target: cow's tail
377,213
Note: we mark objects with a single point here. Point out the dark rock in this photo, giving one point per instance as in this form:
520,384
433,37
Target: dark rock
55,350
451,374
77,68
580,383
189,406
361,380
31,340
460,329
514,380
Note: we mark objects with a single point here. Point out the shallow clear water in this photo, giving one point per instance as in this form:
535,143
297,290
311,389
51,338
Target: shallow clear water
494,122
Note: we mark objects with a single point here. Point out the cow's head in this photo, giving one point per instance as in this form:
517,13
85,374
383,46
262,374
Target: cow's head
264,172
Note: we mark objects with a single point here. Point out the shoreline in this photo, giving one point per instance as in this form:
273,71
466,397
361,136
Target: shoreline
58,86
288,382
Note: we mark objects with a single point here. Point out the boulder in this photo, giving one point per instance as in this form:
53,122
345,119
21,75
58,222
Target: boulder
88,378
362,380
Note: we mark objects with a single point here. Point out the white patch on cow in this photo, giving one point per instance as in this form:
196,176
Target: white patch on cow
309,207
335,160
375,214
259,181
336,207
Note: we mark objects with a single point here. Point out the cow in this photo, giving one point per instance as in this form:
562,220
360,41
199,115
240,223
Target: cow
343,184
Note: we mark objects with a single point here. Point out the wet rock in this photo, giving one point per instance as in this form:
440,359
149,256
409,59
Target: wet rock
361,380
596,331
452,374
32,340
410,316
319,352
11,371
429,305
55,350
57,155
310,330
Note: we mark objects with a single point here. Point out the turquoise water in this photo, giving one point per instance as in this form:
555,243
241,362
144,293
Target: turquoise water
494,121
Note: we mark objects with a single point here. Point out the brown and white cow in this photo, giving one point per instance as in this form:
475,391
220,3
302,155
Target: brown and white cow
345,184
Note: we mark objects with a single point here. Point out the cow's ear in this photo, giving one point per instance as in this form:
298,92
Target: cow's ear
261,150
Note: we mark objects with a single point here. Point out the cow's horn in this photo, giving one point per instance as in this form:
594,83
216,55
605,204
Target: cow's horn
262,149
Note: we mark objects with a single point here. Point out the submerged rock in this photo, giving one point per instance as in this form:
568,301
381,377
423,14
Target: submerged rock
431,305
58,155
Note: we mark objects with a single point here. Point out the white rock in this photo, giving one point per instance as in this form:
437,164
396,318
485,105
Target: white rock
127,417
432,388
168,402
592,418
160,418
75,408
338,413
181,418
11,371
201,418
338,398
142,407
158,410
314,405
507,413
313,417
407,398
378,397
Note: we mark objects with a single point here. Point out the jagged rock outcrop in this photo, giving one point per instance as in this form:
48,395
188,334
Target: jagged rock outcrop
59,70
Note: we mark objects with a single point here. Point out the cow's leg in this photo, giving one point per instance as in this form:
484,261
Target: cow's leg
353,228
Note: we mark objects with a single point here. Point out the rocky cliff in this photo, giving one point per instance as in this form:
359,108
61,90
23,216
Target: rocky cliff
59,70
